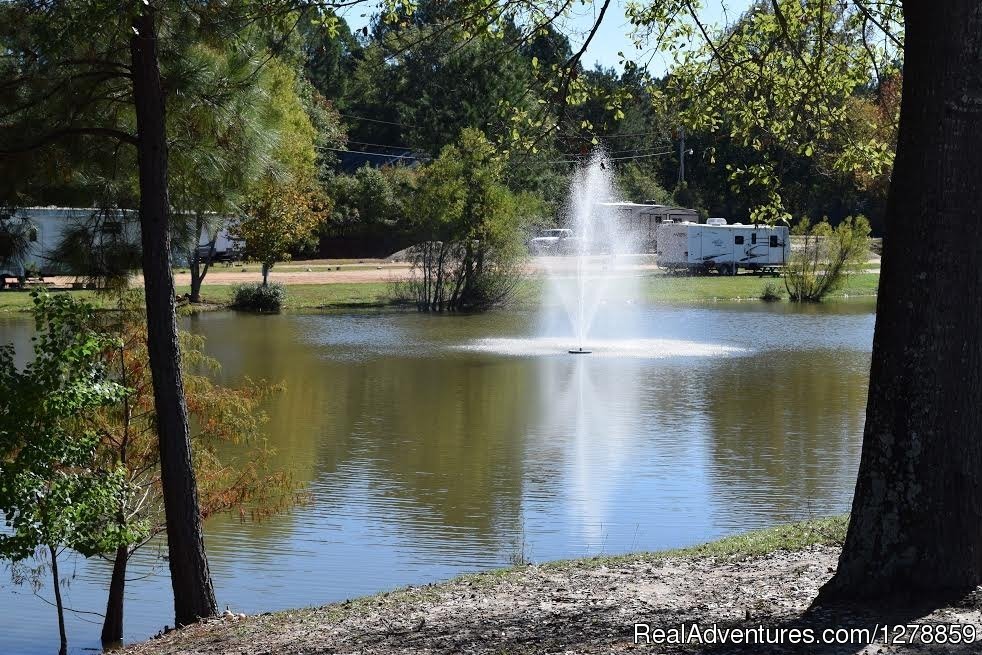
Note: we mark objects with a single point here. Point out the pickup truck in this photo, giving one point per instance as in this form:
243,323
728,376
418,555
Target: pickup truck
558,241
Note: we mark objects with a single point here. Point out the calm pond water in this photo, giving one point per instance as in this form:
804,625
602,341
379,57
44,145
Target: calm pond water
437,445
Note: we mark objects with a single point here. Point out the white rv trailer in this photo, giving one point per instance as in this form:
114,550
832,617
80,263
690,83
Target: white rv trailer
47,226
721,247
640,221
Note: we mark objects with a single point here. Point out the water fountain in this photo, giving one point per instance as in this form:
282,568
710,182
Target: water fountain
592,302
593,274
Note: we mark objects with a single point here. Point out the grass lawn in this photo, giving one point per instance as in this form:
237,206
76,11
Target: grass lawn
301,297
826,531
655,288
667,288
20,301
676,289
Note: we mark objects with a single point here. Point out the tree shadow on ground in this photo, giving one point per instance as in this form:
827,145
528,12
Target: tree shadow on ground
861,628
606,629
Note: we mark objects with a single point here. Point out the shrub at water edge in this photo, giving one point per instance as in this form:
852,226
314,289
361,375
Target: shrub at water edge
264,299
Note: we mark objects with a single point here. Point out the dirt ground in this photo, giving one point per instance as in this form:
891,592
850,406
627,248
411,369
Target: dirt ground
585,607
324,271
294,274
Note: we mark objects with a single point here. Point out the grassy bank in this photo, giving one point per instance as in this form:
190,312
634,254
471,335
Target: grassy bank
307,297
300,297
667,288
654,288
585,605
828,531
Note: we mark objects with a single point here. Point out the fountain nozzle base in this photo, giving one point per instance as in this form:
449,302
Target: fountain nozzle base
579,351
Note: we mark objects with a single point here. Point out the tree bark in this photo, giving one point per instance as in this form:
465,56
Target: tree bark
194,264
63,636
916,525
266,268
112,625
194,597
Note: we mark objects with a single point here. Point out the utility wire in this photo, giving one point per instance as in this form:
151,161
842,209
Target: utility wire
387,155
379,145
639,150
376,120
568,160
578,160
623,135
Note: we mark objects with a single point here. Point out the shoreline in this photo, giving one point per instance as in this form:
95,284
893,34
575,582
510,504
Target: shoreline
762,580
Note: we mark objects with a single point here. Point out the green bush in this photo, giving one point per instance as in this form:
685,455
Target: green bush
771,292
820,262
265,299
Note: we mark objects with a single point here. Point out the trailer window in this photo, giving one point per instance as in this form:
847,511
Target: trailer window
738,240
774,243
753,238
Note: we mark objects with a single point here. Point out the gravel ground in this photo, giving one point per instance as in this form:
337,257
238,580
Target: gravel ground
576,607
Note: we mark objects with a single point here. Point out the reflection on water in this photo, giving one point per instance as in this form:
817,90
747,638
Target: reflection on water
435,445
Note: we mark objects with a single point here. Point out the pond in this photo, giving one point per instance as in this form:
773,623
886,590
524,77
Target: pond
435,445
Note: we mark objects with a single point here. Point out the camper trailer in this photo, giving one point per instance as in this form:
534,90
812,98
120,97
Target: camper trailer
614,227
46,228
639,222
717,246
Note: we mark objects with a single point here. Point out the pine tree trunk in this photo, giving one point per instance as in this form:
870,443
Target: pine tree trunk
194,597
199,269
195,267
195,263
916,526
62,635
112,625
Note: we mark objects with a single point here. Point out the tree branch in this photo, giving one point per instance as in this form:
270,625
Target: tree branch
869,15
111,133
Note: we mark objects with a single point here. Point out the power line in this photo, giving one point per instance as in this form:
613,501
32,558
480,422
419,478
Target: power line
376,120
623,135
639,150
379,145
578,160
387,155
574,160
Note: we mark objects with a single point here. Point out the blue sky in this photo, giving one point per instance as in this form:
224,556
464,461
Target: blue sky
613,35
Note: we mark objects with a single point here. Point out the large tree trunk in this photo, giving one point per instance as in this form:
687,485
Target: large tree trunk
194,597
916,526
112,625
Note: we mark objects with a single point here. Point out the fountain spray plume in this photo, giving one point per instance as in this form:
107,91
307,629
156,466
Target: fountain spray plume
593,259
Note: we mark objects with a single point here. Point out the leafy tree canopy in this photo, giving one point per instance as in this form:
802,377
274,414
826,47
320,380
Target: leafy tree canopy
781,83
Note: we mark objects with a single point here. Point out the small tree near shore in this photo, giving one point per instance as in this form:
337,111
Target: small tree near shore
281,217
224,417
285,204
52,494
820,264
472,226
